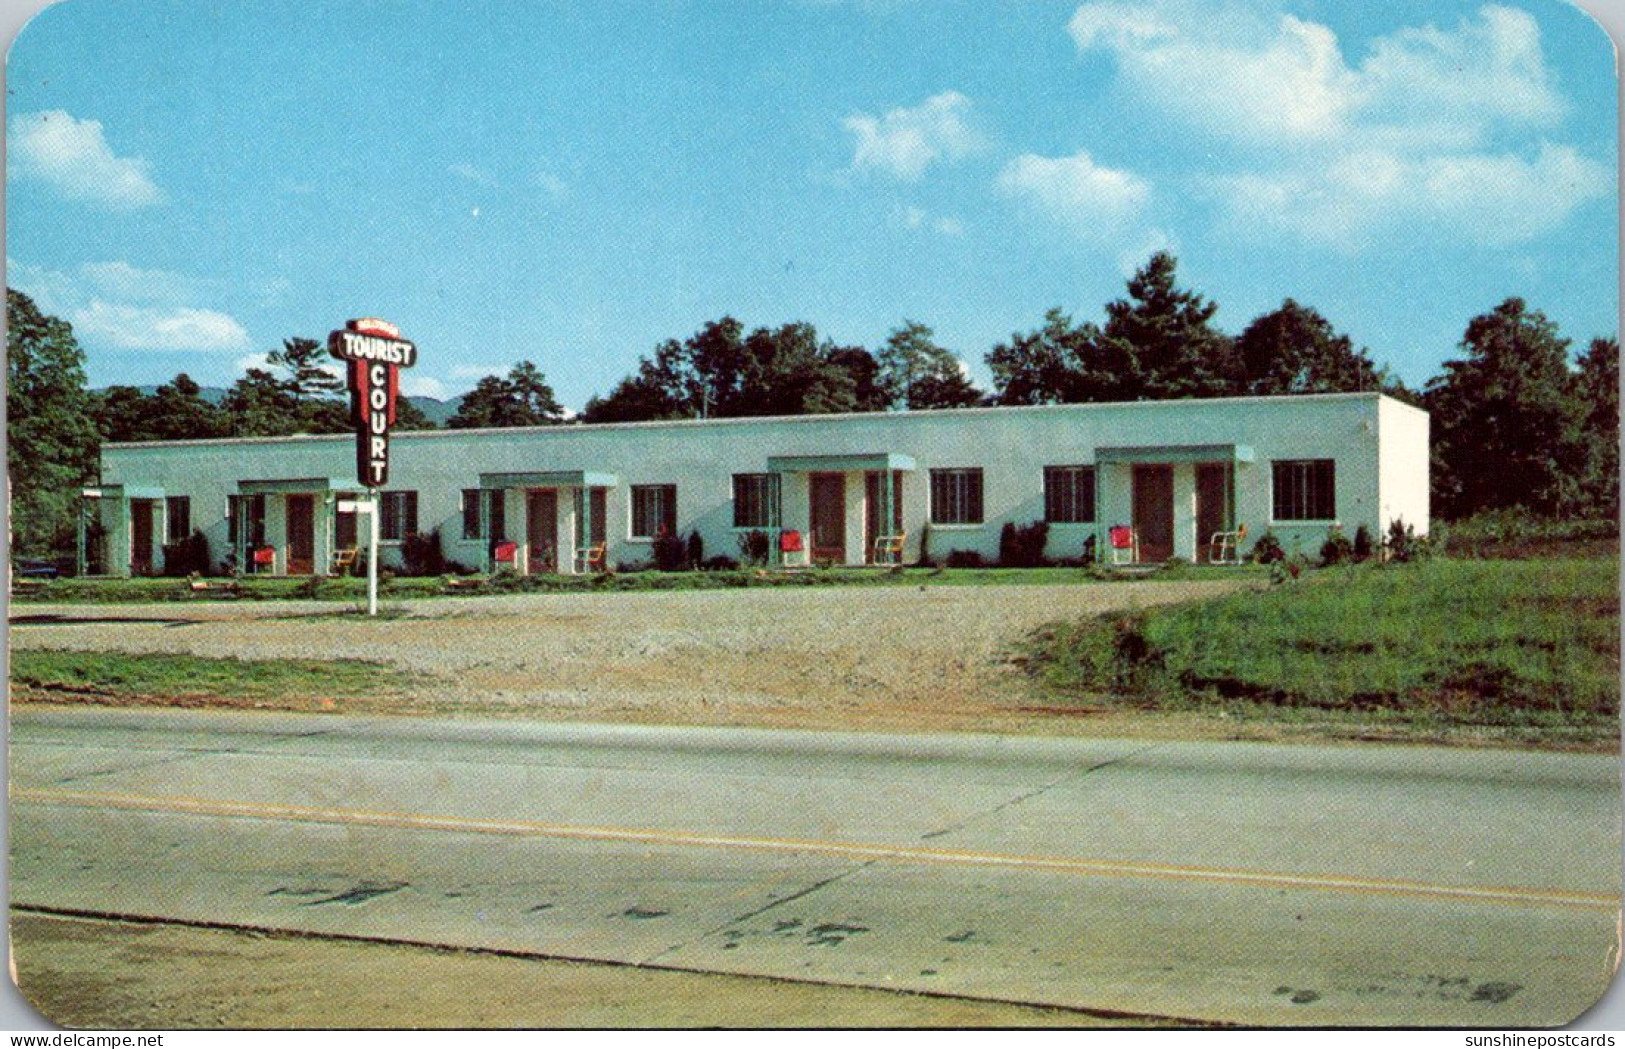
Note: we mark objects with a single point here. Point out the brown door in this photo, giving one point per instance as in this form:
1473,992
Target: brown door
1212,506
344,526
542,529
1154,511
301,525
827,516
140,536
872,498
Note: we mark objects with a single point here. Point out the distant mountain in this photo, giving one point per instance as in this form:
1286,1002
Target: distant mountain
438,411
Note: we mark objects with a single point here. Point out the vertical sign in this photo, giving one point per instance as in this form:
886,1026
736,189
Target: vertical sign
375,352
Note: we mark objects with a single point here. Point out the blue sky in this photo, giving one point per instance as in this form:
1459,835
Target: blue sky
571,183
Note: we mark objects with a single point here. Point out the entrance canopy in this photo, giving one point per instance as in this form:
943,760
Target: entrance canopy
1175,453
89,521
122,491
791,464
550,479
296,485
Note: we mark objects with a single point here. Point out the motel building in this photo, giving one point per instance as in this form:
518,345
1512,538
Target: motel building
844,489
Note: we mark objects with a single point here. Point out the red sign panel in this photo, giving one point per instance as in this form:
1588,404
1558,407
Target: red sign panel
375,353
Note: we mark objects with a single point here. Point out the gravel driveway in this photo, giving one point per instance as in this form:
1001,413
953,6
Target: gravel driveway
844,652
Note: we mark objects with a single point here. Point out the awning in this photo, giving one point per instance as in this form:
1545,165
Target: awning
122,491
550,479
791,464
298,484
1175,453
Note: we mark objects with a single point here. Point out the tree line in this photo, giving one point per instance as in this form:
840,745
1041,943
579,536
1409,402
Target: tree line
1515,422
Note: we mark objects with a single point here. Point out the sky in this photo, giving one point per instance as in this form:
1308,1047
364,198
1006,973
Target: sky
572,183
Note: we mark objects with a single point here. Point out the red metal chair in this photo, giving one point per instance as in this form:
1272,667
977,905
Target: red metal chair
264,558
791,544
506,553
1124,541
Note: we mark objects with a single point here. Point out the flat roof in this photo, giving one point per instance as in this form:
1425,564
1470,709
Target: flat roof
756,420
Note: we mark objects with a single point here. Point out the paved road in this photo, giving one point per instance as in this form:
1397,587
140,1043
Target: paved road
1234,882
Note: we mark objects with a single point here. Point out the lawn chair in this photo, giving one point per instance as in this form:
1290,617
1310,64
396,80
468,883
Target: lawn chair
793,550
889,549
591,558
344,560
505,554
1225,547
264,559
1125,544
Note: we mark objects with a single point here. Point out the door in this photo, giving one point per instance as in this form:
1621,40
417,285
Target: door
1212,506
301,524
344,526
542,529
827,516
872,499
141,537
1154,511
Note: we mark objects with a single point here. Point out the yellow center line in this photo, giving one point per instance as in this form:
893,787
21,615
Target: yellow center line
1496,894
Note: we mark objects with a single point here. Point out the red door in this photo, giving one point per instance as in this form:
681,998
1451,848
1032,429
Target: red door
542,529
827,516
140,536
1154,511
301,525
1212,506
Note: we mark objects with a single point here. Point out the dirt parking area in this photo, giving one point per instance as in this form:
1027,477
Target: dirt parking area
818,657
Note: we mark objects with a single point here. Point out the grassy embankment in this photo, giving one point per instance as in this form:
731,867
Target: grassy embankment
1515,650
127,591
118,679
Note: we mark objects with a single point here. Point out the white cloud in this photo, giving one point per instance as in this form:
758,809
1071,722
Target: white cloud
423,386
123,281
1091,201
914,217
905,141
121,306
262,361
1444,127
74,158
158,328
554,186
1238,75
1490,198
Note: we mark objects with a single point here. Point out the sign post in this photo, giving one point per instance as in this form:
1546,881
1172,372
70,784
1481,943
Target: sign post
375,352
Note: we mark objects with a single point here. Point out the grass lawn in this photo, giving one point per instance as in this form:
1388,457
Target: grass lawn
121,591
115,678
1526,645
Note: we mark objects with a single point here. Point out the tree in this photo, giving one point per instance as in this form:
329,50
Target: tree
175,411
721,372
916,373
1042,366
1597,391
1168,333
51,446
868,394
261,405
522,399
1295,350
1503,417
310,372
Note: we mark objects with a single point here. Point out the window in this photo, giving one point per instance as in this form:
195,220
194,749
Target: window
1069,494
400,518
956,496
750,500
178,512
654,510
471,512
1305,490
231,521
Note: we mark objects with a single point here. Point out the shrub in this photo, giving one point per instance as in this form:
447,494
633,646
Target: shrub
965,559
1022,546
190,556
1361,551
670,552
721,563
754,547
1089,545
1336,549
421,554
1403,544
1267,551
694,554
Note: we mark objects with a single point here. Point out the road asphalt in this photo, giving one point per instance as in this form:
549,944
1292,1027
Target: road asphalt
1223,882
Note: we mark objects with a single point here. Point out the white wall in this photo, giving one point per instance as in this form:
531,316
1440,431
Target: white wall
1011,445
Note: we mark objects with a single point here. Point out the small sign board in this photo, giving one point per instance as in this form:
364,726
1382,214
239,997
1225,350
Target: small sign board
374,352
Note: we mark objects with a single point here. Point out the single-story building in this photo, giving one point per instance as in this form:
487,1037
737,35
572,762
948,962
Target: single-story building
846,485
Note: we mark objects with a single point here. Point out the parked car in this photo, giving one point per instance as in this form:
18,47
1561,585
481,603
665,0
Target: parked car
33,568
